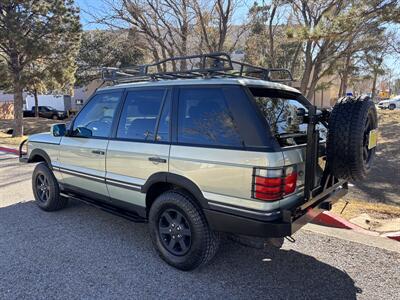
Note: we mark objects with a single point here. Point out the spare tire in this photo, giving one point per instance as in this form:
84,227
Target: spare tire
350,124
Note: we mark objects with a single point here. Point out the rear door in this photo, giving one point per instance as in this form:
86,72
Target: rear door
82,153
216,144
140,144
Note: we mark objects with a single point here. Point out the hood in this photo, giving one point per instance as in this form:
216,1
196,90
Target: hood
44,137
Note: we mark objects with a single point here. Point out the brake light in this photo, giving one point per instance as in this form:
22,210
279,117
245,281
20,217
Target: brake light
274,184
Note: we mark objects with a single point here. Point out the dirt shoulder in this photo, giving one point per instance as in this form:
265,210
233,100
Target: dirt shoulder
383,183
31,126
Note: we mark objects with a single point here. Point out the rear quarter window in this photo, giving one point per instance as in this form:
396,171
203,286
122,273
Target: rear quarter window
204,119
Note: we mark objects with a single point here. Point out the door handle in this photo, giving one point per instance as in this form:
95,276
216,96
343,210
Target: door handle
99,152
157,160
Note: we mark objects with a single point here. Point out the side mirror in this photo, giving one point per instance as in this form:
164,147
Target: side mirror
83,132
58,129
301,112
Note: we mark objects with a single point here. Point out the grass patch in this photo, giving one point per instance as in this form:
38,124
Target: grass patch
7,139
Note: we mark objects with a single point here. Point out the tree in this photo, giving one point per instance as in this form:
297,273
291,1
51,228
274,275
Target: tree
105,48
316,39
174,27
270,42
328,29
34,36
374,59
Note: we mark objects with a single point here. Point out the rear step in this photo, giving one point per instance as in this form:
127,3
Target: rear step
131,216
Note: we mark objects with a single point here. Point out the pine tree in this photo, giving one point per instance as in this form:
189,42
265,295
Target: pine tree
36,36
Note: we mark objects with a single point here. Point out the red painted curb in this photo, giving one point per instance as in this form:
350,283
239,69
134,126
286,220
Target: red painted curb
9,150
329,219
326,218
394,236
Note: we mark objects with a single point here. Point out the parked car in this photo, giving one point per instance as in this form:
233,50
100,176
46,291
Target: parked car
391,104
46,112
203,152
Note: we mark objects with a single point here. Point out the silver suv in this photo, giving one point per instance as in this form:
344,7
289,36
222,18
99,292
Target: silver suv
195,153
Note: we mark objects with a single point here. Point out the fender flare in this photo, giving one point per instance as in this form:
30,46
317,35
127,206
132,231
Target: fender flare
39,152
178,180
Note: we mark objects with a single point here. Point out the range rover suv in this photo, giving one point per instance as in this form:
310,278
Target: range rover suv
207,150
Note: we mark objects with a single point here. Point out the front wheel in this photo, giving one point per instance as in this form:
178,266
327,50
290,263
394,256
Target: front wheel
392,106
46,190
180,232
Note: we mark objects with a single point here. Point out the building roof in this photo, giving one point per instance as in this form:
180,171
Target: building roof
208,81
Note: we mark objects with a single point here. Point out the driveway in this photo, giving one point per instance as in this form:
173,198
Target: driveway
82,252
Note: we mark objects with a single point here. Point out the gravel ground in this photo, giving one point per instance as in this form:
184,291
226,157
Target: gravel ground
82,252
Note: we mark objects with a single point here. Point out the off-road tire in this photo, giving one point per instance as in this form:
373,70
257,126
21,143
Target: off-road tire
392,106
54,201
204,241
347,137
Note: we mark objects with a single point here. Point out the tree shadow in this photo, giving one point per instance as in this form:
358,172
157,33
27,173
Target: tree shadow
86,253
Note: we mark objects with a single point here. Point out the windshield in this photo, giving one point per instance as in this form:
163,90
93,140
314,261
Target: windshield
50,108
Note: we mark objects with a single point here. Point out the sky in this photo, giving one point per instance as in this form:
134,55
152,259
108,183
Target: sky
96,5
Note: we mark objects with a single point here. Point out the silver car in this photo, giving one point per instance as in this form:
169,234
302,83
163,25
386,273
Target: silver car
391,104
200,156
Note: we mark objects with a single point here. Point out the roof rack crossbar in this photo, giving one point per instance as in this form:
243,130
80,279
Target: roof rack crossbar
209,65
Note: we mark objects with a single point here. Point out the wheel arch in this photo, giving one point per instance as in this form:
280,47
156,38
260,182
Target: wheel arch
161,182
39,155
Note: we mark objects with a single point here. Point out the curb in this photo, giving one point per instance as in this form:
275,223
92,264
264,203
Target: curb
9,150
393,235
329,219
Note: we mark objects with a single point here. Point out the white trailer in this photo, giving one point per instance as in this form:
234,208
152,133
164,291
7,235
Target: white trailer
59,102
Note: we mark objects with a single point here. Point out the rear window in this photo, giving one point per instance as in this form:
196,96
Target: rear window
280,112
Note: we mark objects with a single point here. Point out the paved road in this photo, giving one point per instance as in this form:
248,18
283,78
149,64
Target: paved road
82,252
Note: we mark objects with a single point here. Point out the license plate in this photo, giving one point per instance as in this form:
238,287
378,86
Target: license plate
373,138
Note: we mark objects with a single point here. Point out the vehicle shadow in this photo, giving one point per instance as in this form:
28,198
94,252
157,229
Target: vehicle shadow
86,253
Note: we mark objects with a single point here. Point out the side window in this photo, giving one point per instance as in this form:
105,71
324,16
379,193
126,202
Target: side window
95,119
139,116
204,118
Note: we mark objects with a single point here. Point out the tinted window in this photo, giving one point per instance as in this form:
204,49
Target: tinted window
204,118
96,117
281,114
139,116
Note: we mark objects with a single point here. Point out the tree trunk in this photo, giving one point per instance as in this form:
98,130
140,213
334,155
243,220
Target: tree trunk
305,79
18,104
345,77
35,95
374,85
15,67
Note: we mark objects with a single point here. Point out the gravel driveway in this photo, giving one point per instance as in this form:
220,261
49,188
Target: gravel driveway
82,252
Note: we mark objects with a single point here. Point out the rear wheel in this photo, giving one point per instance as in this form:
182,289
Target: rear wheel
46,190
54,117
180,232
392,106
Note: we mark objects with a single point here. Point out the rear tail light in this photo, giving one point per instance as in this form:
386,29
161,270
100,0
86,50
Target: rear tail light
274,184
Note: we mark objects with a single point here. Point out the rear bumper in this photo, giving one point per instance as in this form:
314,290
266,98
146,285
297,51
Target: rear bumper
286,225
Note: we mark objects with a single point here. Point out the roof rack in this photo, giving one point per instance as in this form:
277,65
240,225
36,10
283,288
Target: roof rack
212,65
